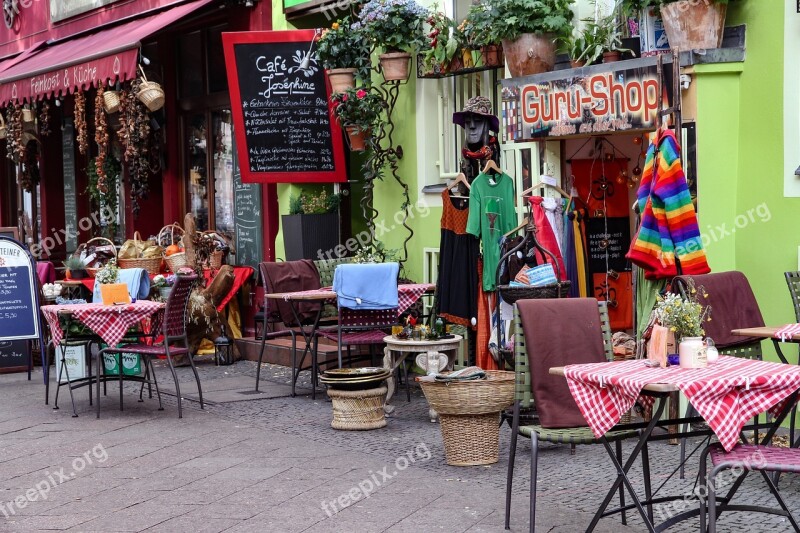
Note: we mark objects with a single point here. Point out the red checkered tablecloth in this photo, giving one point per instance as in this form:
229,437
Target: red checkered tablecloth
407,294
109,322
787,332
726,394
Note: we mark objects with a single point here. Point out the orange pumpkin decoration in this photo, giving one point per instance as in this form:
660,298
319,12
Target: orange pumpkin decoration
172,249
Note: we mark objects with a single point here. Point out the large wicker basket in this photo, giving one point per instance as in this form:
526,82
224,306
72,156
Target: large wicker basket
93,271
555,290
357,410
150,93
166,237
151,264
469,413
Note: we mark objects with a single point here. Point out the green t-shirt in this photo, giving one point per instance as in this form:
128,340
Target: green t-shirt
491,214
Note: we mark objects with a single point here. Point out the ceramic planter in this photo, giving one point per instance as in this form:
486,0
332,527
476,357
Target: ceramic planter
357,139
342,79
395,65
611,56
305,236
694,25
692,352
530,54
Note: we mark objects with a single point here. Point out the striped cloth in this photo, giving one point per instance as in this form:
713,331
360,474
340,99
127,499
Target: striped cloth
669,227
727,393
787,332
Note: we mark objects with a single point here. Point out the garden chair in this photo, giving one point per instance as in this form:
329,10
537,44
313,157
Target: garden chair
358,326
288,276
535,355
733,306
173,328
793,281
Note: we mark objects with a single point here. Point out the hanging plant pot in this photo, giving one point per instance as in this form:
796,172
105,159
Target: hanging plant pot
395,65
611,56
111,102
530,54
357,139
491,57
342,79
694,25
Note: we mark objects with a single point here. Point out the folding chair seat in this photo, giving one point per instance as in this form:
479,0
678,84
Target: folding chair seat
746,458
173,327
533,358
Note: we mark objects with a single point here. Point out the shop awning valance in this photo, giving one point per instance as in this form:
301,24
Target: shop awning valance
86,61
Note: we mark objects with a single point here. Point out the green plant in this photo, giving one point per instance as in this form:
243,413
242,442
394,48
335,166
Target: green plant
359,108
576,45
512,18
341,46
477,26
296,205
107,274
307,204
605,35
443,42
74,263
107,200
376,252
685,318
394,25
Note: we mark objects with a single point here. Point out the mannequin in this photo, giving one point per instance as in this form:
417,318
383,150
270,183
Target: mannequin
480,145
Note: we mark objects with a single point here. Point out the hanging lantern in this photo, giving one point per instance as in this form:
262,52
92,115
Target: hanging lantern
637,170
223,351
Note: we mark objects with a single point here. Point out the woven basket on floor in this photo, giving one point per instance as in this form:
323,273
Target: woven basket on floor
471,440
356,410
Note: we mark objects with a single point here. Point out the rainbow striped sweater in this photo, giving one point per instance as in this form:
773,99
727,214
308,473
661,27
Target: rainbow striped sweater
669,227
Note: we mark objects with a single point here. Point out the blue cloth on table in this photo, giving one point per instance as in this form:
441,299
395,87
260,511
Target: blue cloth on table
136,279
366,286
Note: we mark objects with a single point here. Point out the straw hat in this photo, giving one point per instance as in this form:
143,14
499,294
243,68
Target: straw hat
477,105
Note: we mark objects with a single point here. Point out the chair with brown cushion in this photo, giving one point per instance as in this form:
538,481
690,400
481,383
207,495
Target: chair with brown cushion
288,276
550,333
173,328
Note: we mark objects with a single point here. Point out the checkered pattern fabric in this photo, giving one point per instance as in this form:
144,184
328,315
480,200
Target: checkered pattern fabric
787,332
407,294
726,394
109,322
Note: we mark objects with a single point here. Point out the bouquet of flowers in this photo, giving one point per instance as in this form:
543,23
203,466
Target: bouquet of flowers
162,281
684,317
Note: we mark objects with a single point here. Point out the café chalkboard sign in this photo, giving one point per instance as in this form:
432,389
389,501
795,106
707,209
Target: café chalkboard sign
70,192
284,127
247,218
19,304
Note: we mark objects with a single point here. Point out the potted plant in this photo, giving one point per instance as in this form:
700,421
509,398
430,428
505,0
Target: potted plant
576,48
357,111
684,318
344,54
396,27
690,25
528,30
75,268
312,226
603,37
477,30
442,44
163,284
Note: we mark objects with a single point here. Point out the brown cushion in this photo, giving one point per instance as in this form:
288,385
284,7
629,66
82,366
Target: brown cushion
559,332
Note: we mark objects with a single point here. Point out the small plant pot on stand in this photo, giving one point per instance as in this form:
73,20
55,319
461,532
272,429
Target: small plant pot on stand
342,79
395,66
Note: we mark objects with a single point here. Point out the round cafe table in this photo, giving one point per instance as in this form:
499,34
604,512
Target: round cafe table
397,350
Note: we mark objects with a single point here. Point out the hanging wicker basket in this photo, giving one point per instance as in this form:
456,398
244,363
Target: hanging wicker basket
150,93
3,129
27,115
111,102
151,264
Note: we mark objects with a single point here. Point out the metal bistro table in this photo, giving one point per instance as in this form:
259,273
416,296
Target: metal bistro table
404,347
726,394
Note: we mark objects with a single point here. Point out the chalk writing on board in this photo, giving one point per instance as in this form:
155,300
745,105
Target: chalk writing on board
18,311
608,238
247,218
70,194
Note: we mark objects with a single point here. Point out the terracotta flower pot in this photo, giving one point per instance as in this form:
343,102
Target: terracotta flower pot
530,54
611,57
342,79
490,55
694,25
577,63
455,64
356,139
395,65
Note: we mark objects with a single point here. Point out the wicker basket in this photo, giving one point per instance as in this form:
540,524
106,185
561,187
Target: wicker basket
111,102
358,410
3,129
512,294
151,264
215,261
471,440
93,271
150,93
27,115
166,237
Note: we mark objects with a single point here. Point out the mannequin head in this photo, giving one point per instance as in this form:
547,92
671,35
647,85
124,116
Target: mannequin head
477,129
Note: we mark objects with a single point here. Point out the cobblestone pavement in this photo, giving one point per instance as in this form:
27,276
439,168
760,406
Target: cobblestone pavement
274,464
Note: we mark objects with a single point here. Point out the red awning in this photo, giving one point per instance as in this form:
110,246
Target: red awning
109,54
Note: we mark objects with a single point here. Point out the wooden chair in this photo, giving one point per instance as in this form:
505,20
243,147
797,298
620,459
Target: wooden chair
523,399
173,328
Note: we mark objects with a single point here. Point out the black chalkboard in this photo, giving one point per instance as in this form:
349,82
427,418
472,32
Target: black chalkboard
279,96
19,310
615,241
70,194
247,218
14,356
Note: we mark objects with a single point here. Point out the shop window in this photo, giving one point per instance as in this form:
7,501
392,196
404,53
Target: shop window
223,170
218,81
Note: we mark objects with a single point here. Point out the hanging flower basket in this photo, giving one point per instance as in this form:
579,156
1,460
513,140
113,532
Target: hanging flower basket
356,139
395,65
342,79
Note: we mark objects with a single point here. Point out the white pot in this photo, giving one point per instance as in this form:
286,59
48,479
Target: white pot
692,352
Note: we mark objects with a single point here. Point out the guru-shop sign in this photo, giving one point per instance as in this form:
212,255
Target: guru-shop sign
589,101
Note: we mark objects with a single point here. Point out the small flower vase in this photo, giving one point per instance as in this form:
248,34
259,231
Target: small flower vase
692,352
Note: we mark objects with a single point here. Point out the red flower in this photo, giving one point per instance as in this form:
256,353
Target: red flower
344,97
361,94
